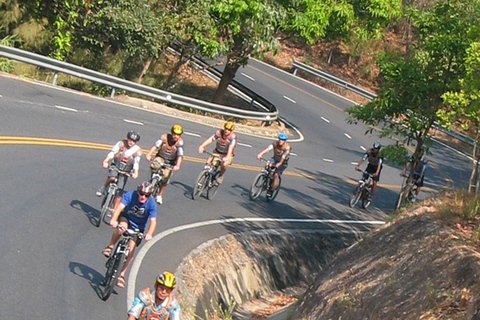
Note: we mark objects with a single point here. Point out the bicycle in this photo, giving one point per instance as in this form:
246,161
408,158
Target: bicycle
157,178
410,198
112,190
117,259
263,182
362,191
207,179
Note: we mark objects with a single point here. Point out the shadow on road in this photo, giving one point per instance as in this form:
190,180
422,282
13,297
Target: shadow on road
94,278
91,213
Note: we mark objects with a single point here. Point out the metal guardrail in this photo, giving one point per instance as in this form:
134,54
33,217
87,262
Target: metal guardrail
366,94
319,73
133,87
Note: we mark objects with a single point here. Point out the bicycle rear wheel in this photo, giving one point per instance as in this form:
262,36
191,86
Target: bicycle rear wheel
355,196
199,184
212,190
274,193
111,276
257,186
106,204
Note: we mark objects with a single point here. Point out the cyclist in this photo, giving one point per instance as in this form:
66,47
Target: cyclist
134,211
374,166
281,152
226,141
158,302
168,149
125,155
419,173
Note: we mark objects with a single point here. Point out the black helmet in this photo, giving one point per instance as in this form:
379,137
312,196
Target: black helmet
145,188
133,135
377,145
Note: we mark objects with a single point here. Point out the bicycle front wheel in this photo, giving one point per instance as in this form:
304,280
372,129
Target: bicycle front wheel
111,276
273,195
106,204
199,184
257,186
213,188
355,196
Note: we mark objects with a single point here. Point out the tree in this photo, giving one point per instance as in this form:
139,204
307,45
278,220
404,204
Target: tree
244,28
410,96
466,103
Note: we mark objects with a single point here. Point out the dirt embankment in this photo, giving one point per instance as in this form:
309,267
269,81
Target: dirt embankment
418,267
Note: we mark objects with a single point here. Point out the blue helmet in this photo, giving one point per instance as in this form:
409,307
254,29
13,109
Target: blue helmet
282,136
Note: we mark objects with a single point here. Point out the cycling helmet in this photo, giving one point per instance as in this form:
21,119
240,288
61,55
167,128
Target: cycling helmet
133,135
167,279
377,145
229,125
145,187
282,136
177,129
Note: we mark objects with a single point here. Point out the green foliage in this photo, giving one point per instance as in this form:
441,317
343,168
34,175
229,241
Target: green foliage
6,65
460,204
410,97
220,313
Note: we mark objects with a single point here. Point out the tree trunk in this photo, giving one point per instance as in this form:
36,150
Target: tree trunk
145,69
184,58
227,77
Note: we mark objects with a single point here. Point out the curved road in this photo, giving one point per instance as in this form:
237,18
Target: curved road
51,261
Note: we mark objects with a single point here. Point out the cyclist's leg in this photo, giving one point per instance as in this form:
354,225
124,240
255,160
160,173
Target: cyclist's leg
132,244
224,165
122,221
276,177
166,173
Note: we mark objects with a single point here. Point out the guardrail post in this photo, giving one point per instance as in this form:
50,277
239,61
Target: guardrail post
295,71
54,80
112,93
346,90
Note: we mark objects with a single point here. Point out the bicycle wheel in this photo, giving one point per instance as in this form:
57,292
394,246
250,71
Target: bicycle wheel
273,195
199,184
355,196
111,276
257,186
213,188
156,188
106,204
366,202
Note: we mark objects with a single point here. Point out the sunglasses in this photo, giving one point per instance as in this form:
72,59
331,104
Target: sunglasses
143,194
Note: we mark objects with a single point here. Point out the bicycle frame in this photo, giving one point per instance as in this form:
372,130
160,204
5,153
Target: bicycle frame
362,191
117,260
263,181
157,178
112,190
207,177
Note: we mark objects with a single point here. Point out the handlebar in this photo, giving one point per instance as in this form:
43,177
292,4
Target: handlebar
114,168
130,232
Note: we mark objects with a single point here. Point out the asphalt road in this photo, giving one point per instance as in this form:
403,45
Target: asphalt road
51,258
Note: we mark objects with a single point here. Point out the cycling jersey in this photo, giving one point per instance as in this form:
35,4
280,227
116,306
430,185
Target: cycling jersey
169,153
222,144
279,151
144,307
125,159
136,212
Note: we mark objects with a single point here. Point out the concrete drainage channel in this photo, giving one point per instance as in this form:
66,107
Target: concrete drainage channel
248,266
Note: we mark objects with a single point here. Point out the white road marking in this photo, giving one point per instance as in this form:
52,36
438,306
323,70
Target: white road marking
192,134
347,135
247,76
290,99
293,154
1,96
327,160
66,109
363,148
325,119
244,145
132,277
354,163
134,122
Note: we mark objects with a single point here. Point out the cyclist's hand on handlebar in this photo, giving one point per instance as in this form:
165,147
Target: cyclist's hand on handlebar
105,164
148,237
259,156
148,157
357,169
175,168
200,149
113,224
134,175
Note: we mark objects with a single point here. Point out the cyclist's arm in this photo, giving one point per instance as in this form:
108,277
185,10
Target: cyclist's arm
136,164
379,167
231,147
151,228
205,143
136,309
179,156
265,151
116,213
150,153
115,149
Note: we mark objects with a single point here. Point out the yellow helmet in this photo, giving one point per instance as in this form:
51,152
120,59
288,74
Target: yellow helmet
229,125
167,279
177,129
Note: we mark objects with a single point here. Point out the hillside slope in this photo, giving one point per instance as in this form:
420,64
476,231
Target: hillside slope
423,265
